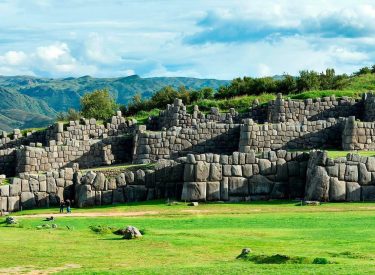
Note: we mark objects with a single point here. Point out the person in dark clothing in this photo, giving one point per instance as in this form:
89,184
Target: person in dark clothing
67,203
62,204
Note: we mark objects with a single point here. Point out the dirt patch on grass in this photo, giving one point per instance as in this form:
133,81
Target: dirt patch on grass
30,270
94,214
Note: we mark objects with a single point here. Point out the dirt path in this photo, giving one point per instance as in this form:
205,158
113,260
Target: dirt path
30,270
92,214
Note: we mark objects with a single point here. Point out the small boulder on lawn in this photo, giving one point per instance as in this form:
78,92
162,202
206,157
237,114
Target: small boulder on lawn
244,253
194,203
130,232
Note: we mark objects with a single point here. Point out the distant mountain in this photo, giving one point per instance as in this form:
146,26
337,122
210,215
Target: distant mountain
27,101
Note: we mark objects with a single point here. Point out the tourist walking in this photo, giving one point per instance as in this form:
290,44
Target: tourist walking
62,204
68,210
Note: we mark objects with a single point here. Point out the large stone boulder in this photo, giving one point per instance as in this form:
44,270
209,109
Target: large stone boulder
368,193
279,190
238,186
134,193
317,184
13,204
216,173
28,200
353,191
364,175
88,179
224,189
351,173
213,190
337,190
260,185
202,171
189,172
194,191
84,195
99,182
120,180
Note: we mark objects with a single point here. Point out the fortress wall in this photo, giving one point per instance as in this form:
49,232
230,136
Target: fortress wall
369,106
290,135
203,177
87,153
287,110
76,130
37,190
245,176
350,178
176,141
358,135
176,115
89,188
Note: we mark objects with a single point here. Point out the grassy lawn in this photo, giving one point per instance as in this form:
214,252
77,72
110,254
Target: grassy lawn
197,240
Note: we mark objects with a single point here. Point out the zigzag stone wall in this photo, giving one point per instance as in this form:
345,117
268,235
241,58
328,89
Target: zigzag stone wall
358,135
281,110
290,135
244,176
176,141
350,178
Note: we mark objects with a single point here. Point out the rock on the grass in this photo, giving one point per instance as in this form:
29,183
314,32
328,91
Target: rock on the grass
11,220
132,232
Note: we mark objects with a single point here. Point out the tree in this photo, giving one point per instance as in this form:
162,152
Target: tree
163,97
364,70
287,85
98,104
308,80
327,80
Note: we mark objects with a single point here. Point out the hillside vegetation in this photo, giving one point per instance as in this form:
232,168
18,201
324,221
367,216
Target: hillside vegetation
35,102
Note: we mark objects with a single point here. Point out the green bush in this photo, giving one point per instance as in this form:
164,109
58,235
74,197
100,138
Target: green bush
98,104
320,261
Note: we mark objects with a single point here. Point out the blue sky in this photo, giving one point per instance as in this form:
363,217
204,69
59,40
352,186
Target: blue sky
205,38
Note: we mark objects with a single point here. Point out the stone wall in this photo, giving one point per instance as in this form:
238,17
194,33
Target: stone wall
358,135
369,106
37,190
281,110
87,153
176,115
290,135
350,178
176,141
245,176
164,180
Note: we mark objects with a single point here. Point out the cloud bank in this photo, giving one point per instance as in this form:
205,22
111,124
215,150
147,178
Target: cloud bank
207,39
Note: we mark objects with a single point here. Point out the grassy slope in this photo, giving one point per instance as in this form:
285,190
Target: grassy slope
206,242
356,87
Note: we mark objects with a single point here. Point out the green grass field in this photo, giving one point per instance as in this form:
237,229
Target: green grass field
195,240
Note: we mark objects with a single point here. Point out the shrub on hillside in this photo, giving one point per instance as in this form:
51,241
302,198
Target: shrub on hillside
98,104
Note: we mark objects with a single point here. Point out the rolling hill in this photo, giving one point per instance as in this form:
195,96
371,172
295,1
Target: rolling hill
27,102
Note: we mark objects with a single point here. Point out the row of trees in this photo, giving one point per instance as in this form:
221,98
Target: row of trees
287,84
101,105
166,96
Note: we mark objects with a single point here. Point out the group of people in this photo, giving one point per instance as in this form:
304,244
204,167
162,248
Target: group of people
66,204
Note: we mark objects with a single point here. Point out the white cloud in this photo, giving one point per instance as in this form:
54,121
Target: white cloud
117,38
13,58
